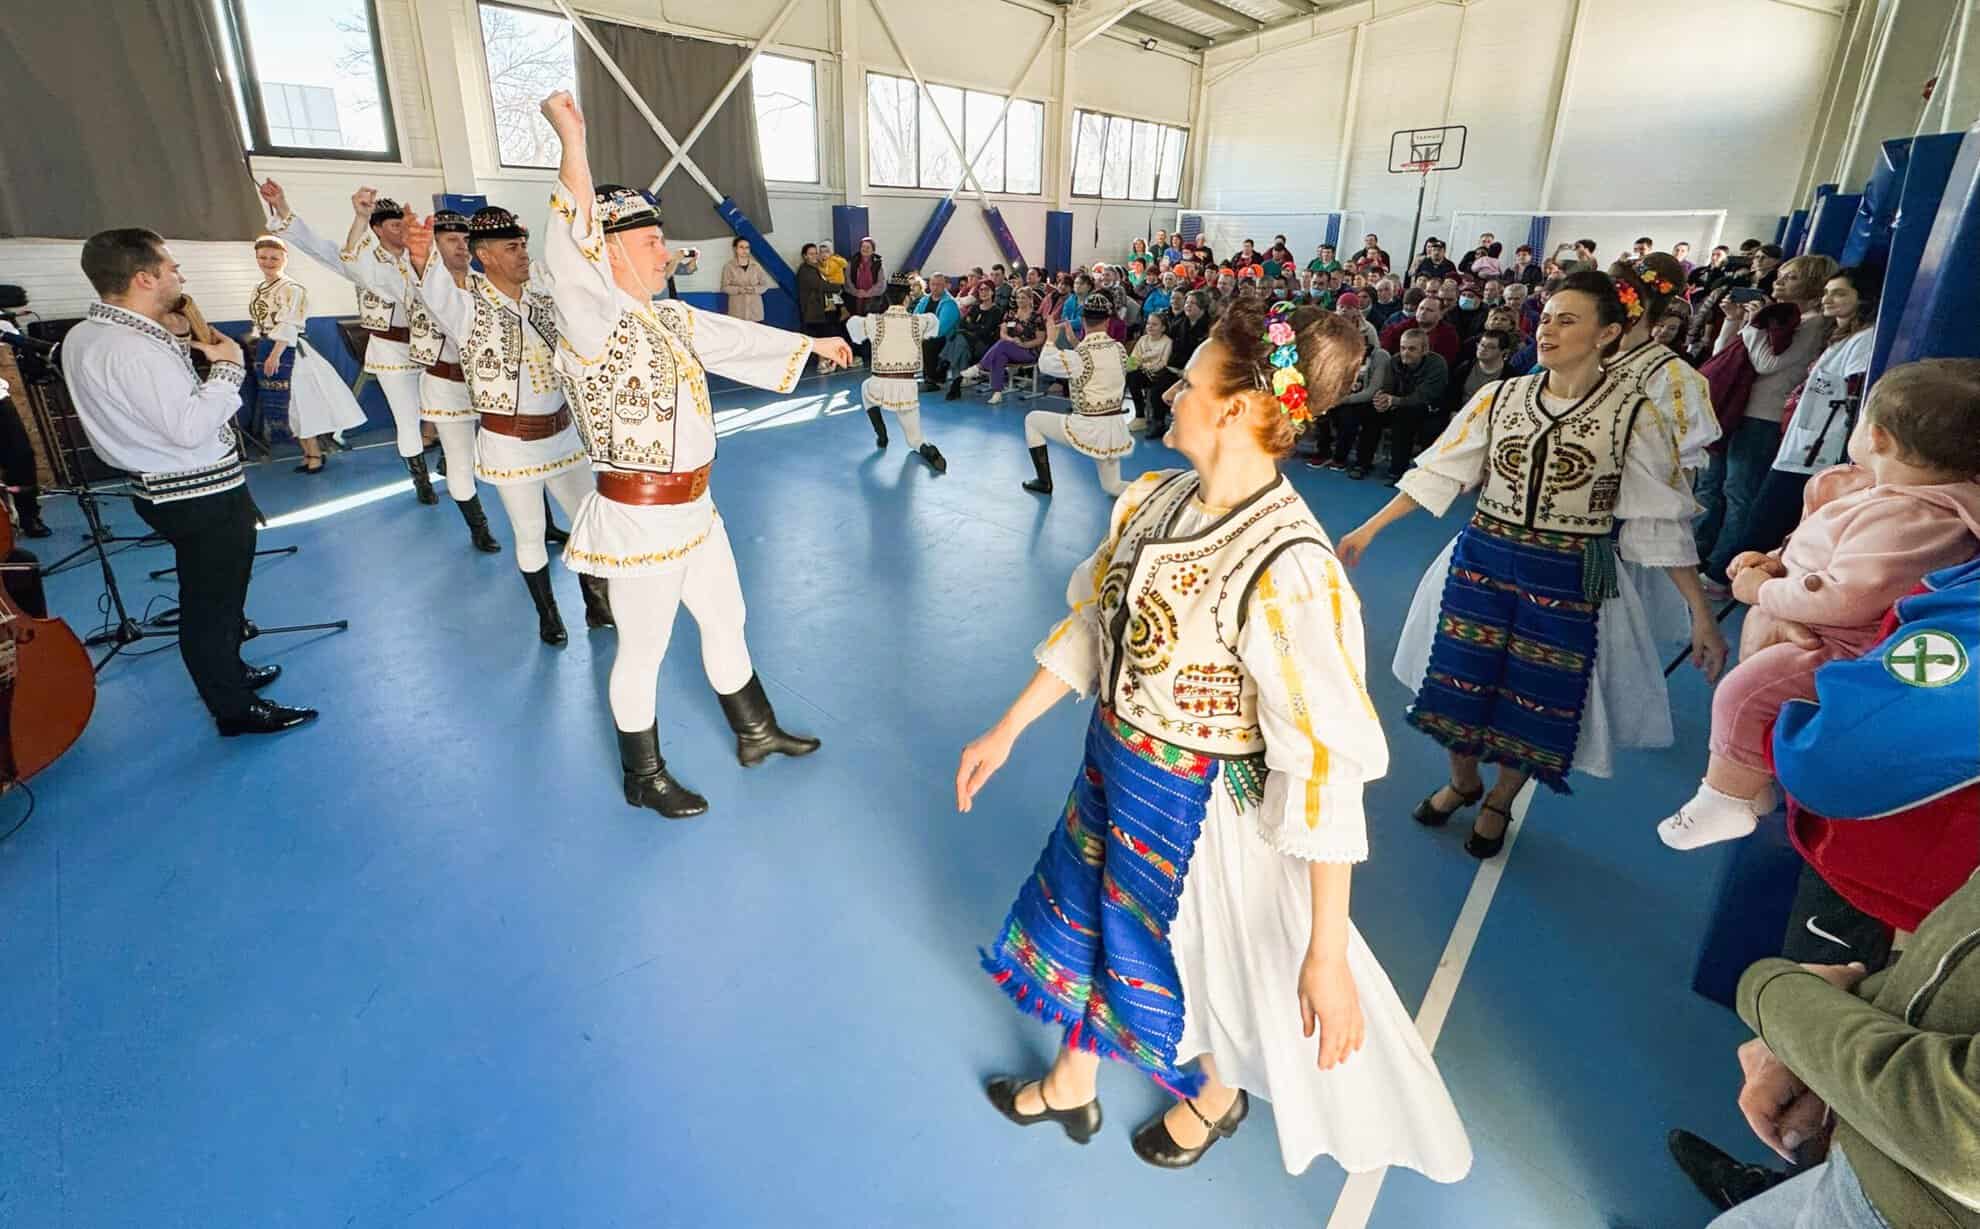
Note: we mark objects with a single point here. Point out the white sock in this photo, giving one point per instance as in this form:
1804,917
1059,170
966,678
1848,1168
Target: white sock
1713,815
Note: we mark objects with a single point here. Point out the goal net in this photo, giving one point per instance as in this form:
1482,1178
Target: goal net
1614,232
1225,232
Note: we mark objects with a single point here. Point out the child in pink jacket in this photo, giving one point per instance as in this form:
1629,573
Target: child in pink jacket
1869,533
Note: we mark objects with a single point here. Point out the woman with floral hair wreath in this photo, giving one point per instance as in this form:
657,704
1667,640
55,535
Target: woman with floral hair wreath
1192,898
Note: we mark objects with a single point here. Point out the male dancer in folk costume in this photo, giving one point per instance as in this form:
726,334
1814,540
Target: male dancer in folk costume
508,340
636,370
373,258
896,337
1095,372
444,402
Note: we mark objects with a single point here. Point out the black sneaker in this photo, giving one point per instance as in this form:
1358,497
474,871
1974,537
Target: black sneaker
1722,1179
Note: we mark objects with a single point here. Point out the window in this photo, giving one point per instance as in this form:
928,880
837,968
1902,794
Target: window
308,77
1123,159
906,147
529,56
786,117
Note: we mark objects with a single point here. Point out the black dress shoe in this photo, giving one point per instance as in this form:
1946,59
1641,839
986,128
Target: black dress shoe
1485,848
260,676
933,455
1724,1180
1427,814
264,717
1154,1144
34,527
1080,1124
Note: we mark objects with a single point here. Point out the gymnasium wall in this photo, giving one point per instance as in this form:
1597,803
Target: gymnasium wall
439,91
1731,90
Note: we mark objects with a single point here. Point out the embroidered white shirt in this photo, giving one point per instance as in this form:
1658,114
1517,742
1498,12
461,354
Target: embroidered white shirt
142,405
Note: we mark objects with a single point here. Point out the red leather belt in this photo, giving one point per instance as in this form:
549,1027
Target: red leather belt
397,332
447,371
527,426
647,490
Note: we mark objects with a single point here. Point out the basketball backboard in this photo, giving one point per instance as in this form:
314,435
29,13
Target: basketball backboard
1415,151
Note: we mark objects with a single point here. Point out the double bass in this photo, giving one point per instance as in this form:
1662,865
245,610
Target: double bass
47,685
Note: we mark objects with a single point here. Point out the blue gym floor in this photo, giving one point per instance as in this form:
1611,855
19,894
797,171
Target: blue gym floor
419,965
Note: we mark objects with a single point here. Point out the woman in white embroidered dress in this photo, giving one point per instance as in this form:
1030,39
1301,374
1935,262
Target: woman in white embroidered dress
1279,994
293,377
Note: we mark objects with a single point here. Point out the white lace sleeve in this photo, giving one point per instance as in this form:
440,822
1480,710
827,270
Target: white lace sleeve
1456,462
1302,646
1686,400
1654,502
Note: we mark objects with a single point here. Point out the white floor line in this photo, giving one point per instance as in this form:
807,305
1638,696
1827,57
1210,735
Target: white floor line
1357,1199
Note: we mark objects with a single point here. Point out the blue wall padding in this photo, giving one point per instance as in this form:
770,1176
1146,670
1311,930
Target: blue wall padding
1928,181
1941,317
1828,226
1780,232
850,224
924,243
1058,240
1749,910
1797,230
1870,234
1536,237
1006,242
1334,233
1823,191
759,246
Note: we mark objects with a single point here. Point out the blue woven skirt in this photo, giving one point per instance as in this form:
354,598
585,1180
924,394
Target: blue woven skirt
1514,651
1086,944
272,392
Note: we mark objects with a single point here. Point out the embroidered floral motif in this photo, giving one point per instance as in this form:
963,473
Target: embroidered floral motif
646,559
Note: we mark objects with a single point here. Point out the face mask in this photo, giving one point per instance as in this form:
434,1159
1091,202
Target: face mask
1467,302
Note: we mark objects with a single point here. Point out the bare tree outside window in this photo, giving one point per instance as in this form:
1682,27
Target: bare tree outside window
529,56
1115,158
786,93
316,79
892,112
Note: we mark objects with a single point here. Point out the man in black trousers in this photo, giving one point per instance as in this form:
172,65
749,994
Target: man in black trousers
148,413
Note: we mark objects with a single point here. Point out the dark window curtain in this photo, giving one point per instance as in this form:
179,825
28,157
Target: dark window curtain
678,78
119,118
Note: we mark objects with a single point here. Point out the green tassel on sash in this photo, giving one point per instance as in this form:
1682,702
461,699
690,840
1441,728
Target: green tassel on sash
1598,568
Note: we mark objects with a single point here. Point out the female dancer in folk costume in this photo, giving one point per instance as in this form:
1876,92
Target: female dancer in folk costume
1095,372
373,259
528,442
637,370
1192,899
299,390
894,386
1528,647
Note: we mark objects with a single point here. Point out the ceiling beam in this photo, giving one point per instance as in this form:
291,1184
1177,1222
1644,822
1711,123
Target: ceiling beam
1155,28
1086,23
1224,13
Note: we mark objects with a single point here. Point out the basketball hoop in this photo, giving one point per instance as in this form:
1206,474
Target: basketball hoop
1422,166
1419,151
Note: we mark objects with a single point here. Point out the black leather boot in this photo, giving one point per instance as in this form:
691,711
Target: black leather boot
549,624
422,483
933,455
879,427
648,783
757,734
552,536
597,605
477,523
1042,484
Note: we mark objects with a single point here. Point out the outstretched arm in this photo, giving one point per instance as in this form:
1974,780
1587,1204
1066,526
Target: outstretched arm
574,167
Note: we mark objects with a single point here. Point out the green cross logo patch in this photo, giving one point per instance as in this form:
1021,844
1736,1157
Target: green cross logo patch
1926,659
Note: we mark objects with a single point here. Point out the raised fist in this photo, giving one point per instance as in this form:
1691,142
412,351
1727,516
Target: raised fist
561,110
275,198
362,202
419,239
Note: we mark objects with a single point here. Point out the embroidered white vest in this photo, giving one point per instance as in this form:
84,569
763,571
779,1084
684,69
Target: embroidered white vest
493,354
626,403
1102,381
896,347
1171,609
1558,474
428,344
265,306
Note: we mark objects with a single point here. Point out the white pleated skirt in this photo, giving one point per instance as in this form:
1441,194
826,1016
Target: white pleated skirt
504,460
320,403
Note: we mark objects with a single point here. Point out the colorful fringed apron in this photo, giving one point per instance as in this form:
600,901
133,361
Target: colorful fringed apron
1086,944
1515,649
272,393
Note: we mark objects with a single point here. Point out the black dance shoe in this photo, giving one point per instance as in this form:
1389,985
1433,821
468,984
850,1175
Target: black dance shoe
422,481
477,524
1485,848
933,455
549,623
879,427
1427,814
758,736
1154,1144
260,676
1725,1180
1080,1124
597,604
264,717
1041,462
648,783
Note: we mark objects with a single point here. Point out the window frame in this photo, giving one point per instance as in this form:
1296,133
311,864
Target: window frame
240,39
923,101
817,145
494,129
1108,120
